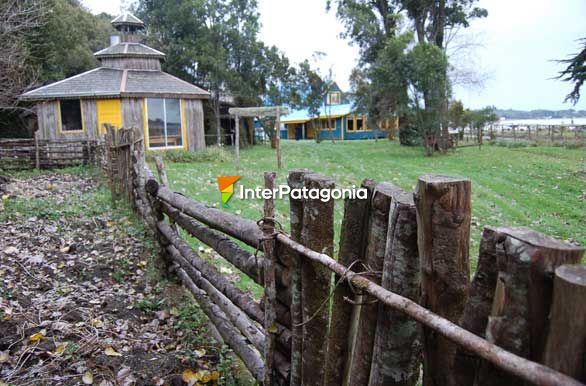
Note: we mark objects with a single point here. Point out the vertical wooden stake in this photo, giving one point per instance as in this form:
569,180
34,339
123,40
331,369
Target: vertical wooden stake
269,276
317,234
443,227
565,350
478,307
37,161
378,224
278,138
161,170
396,358
521,307
237,141
296,181
353,237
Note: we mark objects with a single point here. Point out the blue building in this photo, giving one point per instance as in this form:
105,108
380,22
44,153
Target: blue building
338,121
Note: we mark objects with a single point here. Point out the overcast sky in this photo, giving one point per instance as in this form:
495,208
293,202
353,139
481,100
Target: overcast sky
514,48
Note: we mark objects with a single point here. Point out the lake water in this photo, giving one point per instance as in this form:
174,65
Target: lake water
552,121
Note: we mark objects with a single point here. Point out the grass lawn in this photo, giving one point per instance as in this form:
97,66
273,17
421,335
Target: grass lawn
543,188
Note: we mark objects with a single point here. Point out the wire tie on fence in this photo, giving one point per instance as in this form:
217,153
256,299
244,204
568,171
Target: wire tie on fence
332,292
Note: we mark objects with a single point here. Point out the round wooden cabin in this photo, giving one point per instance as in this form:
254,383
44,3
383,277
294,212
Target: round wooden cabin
128,90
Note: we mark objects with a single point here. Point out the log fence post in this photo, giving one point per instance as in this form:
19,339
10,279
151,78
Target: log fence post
317,234
519,318
565,350
443,226
479,304
378,224
396,358
296,181
270,287
353,237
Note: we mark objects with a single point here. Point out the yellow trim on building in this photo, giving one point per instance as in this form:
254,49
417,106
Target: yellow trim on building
145,123
354,118
65,132
109,111
184,139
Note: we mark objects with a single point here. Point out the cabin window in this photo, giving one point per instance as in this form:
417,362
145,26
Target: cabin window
356,123
350,123
334,98
164,123
70,115
328,124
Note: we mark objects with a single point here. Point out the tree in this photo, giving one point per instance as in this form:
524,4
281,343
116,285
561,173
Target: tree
18,19
374,26
214,44
43,41
426,72
575,73
456,117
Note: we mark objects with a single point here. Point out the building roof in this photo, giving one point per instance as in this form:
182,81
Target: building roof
127,19
331,111
115,83
129,50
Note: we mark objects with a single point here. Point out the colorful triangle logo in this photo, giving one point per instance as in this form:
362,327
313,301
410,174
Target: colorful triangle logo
226,187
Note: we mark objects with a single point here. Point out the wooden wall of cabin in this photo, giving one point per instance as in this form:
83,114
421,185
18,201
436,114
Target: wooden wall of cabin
193,114
49,121
133,114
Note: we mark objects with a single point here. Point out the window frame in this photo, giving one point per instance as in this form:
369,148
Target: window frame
338,97
328,128
354,118
60,115
181,123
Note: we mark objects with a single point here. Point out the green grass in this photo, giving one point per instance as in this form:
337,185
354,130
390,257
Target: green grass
543,188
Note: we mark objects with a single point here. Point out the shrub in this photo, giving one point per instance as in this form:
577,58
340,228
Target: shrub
212,153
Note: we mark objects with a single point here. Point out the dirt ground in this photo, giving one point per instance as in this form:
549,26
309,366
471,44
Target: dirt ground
81,298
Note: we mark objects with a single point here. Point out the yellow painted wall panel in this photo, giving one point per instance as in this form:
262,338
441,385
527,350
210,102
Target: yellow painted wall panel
109,112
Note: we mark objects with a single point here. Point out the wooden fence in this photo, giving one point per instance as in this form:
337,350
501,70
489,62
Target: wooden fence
543,134
397,302
44,154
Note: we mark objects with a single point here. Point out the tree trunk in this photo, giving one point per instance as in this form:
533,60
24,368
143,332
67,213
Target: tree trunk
443,226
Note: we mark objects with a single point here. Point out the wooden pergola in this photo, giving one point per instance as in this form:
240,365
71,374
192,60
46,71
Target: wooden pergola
260,112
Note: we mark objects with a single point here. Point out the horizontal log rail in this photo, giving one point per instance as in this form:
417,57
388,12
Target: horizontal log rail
242,229
241,299
527,370
224,246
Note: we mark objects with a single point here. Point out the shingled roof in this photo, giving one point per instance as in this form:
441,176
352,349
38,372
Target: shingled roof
129,50
115,83
127,19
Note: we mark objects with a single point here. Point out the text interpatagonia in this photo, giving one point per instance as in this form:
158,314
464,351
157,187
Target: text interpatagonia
304,193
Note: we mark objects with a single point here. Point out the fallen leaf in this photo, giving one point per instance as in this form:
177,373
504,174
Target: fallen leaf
10,251
200,353
4,357
34,338
97,323
60,349
109,351
189,376
88,378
